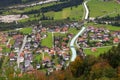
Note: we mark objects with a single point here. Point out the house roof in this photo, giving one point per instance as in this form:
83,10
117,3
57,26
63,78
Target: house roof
12,54
64,29
116,40
52,52
106,39
46,58
17,36
22,54
93,49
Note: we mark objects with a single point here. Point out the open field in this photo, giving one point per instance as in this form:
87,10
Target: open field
47,41
74,13
6,50
38,57
73,31
12,41
100,8
26,30
98,52
5,61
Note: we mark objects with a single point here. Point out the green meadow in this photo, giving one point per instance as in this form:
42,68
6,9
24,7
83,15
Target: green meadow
74,13
47,41
26,30
99,7
98,52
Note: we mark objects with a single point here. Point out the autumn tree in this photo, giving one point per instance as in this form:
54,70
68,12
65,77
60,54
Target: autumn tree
113,56
102,69
76,67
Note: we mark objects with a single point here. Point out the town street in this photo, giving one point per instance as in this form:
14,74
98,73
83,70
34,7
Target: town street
8,42
18,57
74,54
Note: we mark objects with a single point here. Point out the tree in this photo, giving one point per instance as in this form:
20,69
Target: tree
76,66
113,56
102,69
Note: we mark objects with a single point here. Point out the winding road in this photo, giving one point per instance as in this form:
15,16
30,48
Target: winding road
86,10
8,42
72,46
74,54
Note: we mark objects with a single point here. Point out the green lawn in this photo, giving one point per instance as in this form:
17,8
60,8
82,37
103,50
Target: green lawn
100,8
110,27
38,57
12,41
75,13
26,30
98,52
5,61
60,34
47,41
6,50
73,31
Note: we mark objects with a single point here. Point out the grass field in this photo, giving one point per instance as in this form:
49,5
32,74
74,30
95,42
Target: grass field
73,31
98,52
74,13
60,34
5,61
12,41
26,30
38,57
47,41
100,8
6,50
110,27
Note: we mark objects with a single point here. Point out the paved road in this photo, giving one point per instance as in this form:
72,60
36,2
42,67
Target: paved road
8,42
74,54
86,10
23,45
72,47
